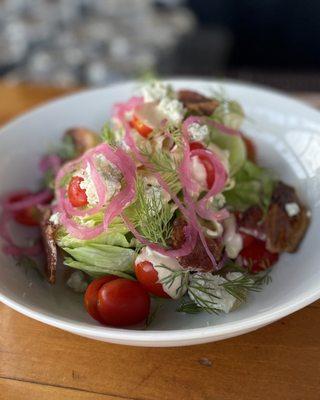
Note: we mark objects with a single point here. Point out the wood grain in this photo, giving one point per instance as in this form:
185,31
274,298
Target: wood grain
280,361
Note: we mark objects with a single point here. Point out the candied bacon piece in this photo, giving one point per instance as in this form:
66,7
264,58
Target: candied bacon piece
83,139
196,103
47,232
198,259
251,222
285,232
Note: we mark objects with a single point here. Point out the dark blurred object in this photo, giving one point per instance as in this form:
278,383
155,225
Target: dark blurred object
93,42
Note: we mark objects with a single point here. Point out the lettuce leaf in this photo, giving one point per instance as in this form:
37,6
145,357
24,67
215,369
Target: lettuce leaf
100,259
253,186
234,144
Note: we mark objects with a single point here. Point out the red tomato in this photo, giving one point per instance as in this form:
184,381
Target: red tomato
250,147
140,127
29,216
206,163
196,146
148,277
91,295
246,239
256,257
123,302
76,194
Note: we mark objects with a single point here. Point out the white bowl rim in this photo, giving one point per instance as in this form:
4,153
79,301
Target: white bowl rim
129,335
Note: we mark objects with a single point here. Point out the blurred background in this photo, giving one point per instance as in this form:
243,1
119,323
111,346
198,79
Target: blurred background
95,42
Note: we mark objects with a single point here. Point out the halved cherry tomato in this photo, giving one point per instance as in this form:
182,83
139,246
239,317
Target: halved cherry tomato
250,147
123,302
206,163
196,146
256,257
91,296
148,277
29,216
140,127
246,239
76,194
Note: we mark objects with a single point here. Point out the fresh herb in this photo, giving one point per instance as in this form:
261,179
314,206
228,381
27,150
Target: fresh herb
172,276
109,135
165,165
157,307
205,296
189,307
151,215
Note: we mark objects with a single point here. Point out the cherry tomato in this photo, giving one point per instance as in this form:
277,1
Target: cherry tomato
140,127
123,302
256,257
246,239
250,147
91,295
148,277
196,146
205,162
76,194
29,216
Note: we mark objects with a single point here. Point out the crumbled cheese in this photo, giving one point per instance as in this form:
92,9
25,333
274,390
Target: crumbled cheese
155,91
209,289
153,197
171,109
88,186
198,132
55,218
292,209
77,282
217,201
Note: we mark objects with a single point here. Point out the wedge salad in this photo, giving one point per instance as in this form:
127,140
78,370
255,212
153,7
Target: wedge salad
167,202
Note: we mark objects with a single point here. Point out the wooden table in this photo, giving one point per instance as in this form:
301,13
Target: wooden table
280,361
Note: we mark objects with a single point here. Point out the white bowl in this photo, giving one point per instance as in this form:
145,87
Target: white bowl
288,137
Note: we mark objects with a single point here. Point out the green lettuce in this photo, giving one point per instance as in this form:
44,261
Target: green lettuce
101,259
235,146
253,186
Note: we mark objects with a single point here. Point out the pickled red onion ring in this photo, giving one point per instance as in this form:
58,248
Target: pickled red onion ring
128,169
51,161
218,184
29,201
10,248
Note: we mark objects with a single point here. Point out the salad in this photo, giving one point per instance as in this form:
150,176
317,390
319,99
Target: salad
167,202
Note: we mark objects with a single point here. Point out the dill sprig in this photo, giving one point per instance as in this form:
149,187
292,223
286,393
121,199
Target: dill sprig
172,276
165,165
151,215
205,297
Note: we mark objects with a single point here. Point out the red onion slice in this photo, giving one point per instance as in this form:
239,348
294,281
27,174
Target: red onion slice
31,200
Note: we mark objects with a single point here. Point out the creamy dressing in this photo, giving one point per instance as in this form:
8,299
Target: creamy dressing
111,175
177,286
232,240
88,186
207,288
